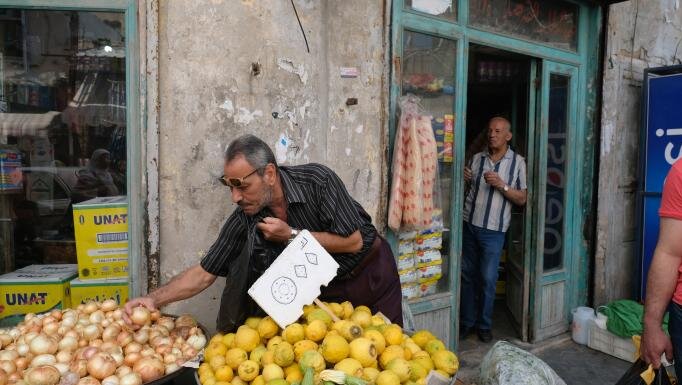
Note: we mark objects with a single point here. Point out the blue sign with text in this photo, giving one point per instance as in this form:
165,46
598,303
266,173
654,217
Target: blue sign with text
663,138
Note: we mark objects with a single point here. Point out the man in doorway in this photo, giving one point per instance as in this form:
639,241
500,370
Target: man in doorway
275,204
664,281
497,179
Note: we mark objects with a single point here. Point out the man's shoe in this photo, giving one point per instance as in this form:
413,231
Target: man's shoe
485,335
465,331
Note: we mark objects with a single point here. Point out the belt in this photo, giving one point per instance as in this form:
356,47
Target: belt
372,253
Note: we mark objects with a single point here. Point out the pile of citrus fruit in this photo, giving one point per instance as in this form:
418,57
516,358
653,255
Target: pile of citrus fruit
360,345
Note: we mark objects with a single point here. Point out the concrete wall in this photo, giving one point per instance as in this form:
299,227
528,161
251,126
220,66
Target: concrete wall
228,67
640,34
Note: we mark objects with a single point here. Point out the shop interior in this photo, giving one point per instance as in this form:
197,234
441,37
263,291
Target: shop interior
498,85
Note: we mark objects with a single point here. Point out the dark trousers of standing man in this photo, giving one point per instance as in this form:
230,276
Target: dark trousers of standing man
374,283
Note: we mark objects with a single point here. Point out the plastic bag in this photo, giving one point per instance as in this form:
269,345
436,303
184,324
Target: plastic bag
505,364
633,375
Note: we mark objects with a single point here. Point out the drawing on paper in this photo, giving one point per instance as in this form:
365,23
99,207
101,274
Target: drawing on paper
283,290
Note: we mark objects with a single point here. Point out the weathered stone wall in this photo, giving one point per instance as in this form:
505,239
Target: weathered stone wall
229,67
640,34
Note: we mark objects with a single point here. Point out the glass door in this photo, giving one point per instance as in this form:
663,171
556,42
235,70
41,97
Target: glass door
553,226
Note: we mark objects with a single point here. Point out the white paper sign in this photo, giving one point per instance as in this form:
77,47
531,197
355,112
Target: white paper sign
293,280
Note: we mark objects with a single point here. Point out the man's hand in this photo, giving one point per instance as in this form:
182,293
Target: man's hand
654,343
147,302
468,175
493,179
274,229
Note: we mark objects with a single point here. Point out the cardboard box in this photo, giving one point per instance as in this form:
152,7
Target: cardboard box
101,232
50,269
99,290
26,292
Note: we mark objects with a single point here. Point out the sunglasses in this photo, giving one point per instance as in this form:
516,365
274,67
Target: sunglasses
235,182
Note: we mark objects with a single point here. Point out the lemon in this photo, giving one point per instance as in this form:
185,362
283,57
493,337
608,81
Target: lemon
224,373
312,359
363,308
292,373
387,377
258,380
446,361
208,381
257,353
334,348
434,346
411,346
307,309
235,356
348,329
400,367
416,371
214,349
246,338
248,370
370,374
238,381
267,358
271,372
347,309
337,309
278,381
267,328
319,314
390,353
425,362
204,378
362,318
293,333
303,346
222,383
393,334
228,340
252,322
216,338
377,338
316,330
378,320
284,354
350,366
204,368
421,337
216,362
363,350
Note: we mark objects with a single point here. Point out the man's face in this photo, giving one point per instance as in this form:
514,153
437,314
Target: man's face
498,134
255,191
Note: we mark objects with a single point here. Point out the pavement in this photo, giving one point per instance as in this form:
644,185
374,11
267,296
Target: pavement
574,363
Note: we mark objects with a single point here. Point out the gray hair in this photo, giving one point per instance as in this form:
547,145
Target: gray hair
253,149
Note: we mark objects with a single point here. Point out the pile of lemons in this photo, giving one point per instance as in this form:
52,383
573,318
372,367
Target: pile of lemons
360,344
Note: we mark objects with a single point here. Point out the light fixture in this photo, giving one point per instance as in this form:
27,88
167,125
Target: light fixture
107,48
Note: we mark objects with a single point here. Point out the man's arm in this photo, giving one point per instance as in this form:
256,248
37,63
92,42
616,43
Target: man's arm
184,285
276,230
661,282
517,197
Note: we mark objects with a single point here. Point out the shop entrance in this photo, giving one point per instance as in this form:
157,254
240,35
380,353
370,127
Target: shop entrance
538,98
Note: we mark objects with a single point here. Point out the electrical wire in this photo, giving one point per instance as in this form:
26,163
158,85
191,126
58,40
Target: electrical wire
301,26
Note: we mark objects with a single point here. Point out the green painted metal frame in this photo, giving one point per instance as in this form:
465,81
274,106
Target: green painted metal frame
133,114
585,58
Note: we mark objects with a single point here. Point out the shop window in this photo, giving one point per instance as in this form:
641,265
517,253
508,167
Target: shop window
446,9
550,22
62,127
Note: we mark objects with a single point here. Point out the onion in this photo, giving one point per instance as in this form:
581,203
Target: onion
43,359
170,368
92,332
189,352
56,314
169,358
185,320
14,333
64,356
43,344
132,359
158,341
141,336
15,379
149,369
68,322
5,339
62,367
111,380
132,347
96,343
79,367
111,332
42,375
96,317
140,316
108,305
118,314
131,379
197,341
90,307
155,315
8,366
86,353
123,370
68,343
21,363
51,328
69,378
8,355
88,381
101,365
3,377
166,322
124,338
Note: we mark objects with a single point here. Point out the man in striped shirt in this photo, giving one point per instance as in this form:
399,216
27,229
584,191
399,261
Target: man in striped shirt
274,204
496,180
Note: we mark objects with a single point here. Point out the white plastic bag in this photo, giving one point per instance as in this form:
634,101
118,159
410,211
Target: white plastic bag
505,364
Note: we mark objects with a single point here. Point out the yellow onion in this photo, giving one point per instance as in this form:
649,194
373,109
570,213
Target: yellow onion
111,332
141,336
132,358
96,317
101,365
3,377
154,315
109,305
68,343
88,381
149,369
43,359
62,367
79,367
90,307
51,328
170,368
132,347
131,379
166,322
85,353
64,356
15,379
123,370
21,363
43,344
197,341
42,375
92,332
5,339
124,338
56,314
111,380
8,366
8,355
185,320
140,316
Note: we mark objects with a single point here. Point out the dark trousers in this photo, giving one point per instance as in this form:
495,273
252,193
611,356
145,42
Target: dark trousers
377,286
675,331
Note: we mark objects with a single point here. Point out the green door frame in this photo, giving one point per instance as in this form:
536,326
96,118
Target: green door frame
134,114
585,59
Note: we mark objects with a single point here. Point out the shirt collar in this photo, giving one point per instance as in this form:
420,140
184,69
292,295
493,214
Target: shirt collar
507,155
292,191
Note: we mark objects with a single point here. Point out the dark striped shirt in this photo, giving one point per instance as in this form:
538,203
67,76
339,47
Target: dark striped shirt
317,201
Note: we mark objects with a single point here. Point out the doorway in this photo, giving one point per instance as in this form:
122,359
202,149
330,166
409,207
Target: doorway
538,97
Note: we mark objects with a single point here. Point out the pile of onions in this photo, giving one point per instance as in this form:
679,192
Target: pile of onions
92,345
